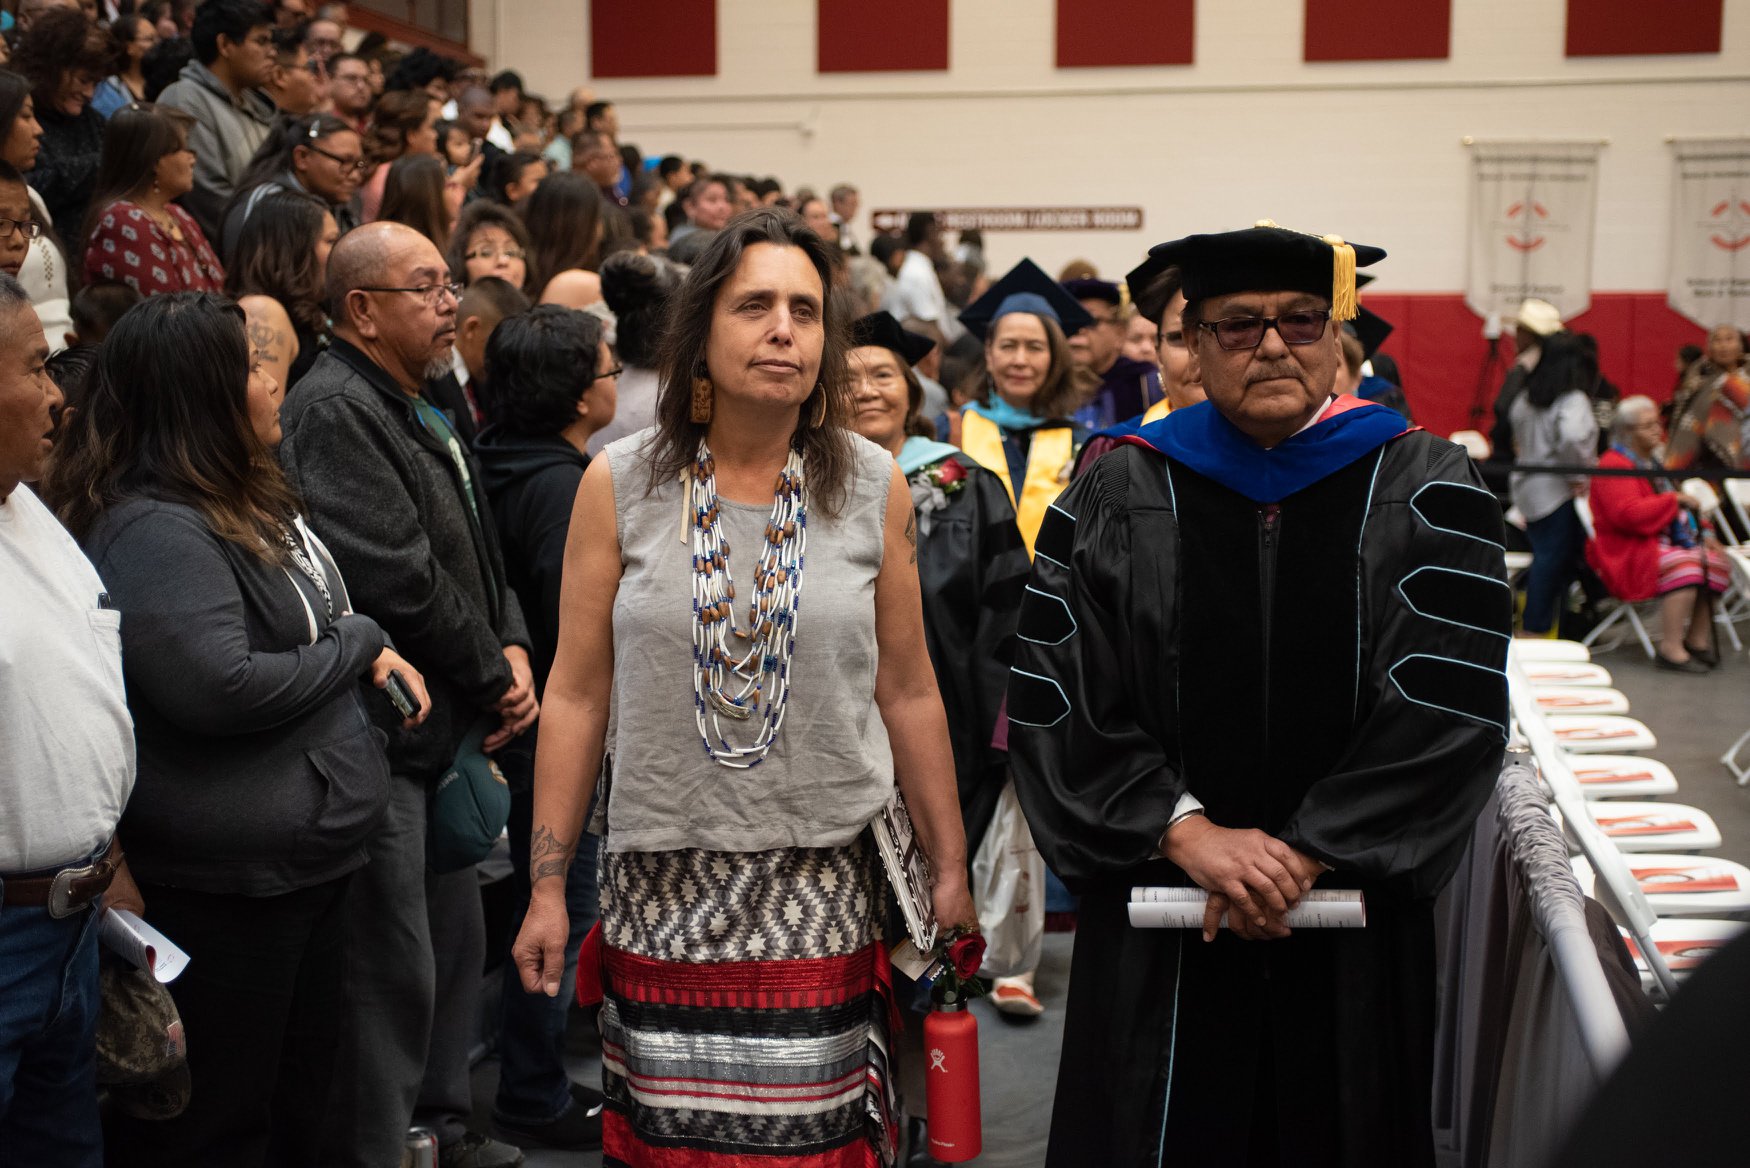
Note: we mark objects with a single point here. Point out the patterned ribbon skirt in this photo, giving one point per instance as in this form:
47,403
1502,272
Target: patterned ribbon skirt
747,1010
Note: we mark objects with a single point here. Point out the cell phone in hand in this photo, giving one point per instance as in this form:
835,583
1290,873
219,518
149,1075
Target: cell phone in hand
401,695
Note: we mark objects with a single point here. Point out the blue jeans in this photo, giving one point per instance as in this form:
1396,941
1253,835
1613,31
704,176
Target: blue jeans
1557,542
533,1087
48,1040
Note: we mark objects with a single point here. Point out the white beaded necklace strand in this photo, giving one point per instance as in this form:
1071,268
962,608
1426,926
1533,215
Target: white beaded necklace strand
760,672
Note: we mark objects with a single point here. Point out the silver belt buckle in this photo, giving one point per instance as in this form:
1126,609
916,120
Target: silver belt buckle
61,890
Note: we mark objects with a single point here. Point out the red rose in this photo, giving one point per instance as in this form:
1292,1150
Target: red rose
950,472
966,955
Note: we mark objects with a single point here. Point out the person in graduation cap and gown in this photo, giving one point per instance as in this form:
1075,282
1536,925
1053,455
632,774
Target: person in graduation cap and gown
972,567
1157,294
1262,652
1020,429
972,564
1121,387
1380,380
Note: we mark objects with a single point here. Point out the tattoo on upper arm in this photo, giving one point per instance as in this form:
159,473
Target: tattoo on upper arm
911,533
267,341
549,855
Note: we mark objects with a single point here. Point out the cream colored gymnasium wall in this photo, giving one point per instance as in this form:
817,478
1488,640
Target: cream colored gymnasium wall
1369,150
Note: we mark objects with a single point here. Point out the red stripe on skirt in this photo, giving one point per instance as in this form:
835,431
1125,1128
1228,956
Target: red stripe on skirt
766,985
621,1146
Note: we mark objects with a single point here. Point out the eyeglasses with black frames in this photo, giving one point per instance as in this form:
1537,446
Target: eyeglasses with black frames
432,294
1247,332
30,227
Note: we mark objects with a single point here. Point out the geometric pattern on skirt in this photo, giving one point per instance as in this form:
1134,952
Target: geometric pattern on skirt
1690,567
747,1010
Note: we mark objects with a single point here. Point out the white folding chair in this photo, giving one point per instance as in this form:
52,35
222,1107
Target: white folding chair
1740,771
1529,649
1580,699
1600,733
1563,673
1655,827
1621,776
1738,498
1683,944
1732,606
1681,886
1625,611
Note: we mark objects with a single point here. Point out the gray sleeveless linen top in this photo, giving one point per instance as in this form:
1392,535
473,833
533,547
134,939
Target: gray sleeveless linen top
830,769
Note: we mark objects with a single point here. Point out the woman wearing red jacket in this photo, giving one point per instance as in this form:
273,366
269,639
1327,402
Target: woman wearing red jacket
1649,541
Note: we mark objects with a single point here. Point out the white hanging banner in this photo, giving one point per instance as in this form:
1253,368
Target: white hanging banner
1710,231
1532,210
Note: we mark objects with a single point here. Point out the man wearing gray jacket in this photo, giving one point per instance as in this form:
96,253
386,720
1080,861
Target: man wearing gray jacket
234,55
397,497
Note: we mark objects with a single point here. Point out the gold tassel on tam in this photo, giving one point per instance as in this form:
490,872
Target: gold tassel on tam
1343,303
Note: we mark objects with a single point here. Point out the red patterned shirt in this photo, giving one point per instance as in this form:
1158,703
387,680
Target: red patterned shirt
128,245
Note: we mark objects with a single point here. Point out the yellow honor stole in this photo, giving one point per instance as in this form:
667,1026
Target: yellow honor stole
1048,460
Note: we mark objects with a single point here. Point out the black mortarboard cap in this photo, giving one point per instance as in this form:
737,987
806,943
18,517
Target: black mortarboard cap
1267,258
1089,288
1371,329
1150,288
879,328
1026,288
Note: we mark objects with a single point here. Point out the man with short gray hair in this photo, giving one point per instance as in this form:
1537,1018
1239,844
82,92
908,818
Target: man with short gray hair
396,493
66,769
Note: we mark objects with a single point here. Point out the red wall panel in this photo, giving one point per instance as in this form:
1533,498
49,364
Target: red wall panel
638,38
1124,32
856,36
1377,30
1619,28
1441,352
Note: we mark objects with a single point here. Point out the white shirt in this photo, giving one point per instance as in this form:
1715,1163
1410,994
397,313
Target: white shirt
916,294
66,740
44,279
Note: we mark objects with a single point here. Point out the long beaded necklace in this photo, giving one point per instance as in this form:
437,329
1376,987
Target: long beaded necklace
740,674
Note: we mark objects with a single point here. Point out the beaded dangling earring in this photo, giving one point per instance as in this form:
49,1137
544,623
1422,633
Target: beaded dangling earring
817,418
702,400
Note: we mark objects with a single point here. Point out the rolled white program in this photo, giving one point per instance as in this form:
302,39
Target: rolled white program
1182,908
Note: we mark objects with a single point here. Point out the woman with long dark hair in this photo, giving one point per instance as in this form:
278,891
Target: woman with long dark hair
136,234
638,289
63,54
44,276
565,221
1019,426
260,775
419,195
282,260
403,122
131,37
1553,425
318,155
714,873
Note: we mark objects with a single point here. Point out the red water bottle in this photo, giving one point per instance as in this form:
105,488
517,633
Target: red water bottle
951,1083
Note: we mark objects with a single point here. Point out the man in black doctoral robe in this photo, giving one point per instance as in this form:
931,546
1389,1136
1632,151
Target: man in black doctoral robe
1292,608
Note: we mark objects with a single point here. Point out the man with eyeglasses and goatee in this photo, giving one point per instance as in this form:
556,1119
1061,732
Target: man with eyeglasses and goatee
384,470
1263,653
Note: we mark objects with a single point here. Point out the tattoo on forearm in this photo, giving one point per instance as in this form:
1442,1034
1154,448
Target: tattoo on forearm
549,855
911,533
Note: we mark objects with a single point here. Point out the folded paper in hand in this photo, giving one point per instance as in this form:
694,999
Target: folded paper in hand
142,945
1182,908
